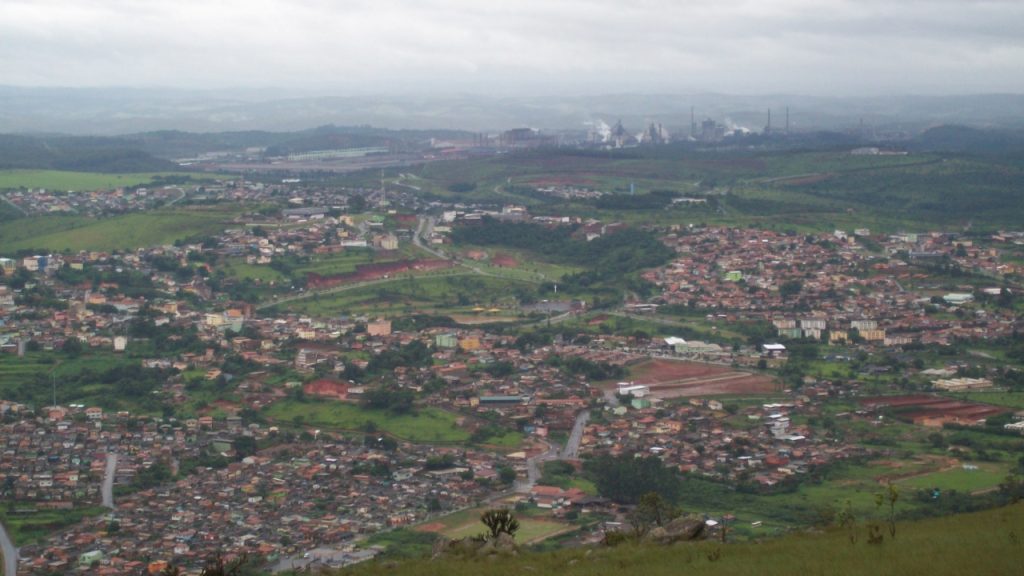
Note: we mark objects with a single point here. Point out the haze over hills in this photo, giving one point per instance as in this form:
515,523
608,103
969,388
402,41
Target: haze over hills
108,111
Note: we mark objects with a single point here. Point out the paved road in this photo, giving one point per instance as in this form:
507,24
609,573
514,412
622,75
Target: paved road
10,553
424,230
533,471
571,451
108,480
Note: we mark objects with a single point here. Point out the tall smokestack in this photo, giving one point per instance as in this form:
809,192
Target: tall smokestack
787,119
693,124
768,127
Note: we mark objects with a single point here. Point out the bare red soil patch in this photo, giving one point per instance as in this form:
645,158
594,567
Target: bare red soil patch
432,527
505,261
366,272
670,378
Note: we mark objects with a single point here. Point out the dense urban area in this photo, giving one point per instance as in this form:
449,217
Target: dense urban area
313,357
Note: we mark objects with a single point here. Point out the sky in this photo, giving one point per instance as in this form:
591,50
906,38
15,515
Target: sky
519,47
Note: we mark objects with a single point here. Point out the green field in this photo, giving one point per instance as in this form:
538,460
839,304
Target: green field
64,180
986,476
17,375
980,543
446,291
34,527
530,267
238,269
74,233
325,265
428,425
1009,399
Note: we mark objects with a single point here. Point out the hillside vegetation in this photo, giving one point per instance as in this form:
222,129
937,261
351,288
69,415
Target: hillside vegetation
72,233
990,542
84,153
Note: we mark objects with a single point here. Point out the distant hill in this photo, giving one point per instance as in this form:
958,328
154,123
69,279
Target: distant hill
179,144
133,110
85,154
964,139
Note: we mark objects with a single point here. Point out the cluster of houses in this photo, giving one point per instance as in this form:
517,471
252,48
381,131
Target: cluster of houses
757,444
848,294
37,201
286,502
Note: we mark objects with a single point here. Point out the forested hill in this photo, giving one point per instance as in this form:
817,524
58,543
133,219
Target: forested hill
79,153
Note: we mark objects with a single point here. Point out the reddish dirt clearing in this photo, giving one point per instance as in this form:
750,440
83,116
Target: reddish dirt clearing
505,261
670,378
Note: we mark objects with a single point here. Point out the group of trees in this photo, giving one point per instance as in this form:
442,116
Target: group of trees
625,479
118,383
576,366
413,354
393,398
608,259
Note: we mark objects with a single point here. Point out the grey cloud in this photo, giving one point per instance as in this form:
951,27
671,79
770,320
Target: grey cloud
526,45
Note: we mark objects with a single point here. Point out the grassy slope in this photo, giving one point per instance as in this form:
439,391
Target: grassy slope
16,372
446,291
885,193
983,543
59,233
64,180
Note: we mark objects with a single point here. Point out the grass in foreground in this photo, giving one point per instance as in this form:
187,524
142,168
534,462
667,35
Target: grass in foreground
989,542
466,524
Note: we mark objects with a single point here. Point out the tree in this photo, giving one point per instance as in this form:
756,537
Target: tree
245,446
889,497
72,347
652,510
791,288
507,474
626,479
500,521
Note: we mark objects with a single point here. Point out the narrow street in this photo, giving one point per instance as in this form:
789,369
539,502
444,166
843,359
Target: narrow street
571,451
108,480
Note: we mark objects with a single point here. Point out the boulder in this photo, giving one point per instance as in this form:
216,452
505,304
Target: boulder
682,529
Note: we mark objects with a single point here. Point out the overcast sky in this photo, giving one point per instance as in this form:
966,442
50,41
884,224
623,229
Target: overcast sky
516,47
